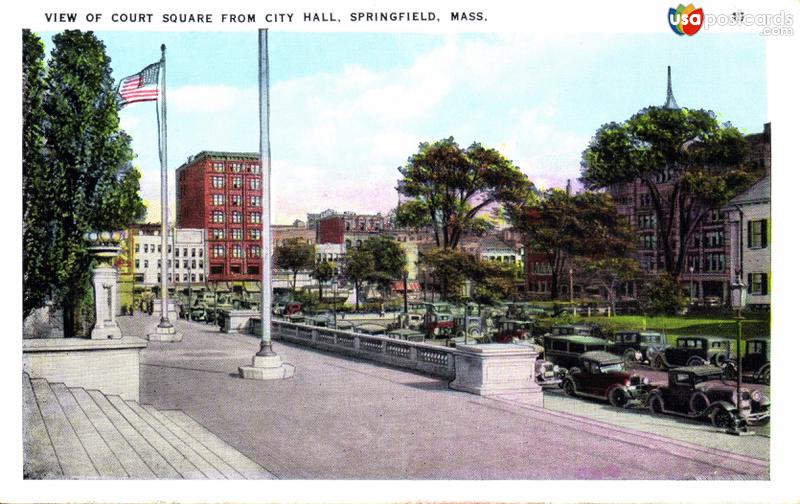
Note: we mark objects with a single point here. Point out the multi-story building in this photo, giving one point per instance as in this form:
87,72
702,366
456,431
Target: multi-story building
221,193
749,226
186,256
331,227
707,267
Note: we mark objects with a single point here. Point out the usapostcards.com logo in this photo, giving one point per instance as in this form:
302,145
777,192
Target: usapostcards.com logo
685,20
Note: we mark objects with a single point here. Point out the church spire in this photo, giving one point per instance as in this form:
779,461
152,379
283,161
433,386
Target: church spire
670,103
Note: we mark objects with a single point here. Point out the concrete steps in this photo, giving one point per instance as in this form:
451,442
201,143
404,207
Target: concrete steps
72,433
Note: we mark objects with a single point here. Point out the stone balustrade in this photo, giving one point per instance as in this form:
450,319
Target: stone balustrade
431,359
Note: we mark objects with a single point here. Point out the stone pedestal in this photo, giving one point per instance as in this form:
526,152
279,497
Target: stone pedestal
238,321
270,367
165,334
502,370
105,303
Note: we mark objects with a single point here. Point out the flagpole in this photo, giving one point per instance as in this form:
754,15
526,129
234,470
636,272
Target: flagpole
164,330
266,186
267,365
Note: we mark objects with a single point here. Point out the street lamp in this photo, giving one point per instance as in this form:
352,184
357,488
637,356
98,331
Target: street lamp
405,291
739,288
691,285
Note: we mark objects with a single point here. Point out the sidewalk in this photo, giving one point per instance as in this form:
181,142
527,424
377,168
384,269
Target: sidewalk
339,418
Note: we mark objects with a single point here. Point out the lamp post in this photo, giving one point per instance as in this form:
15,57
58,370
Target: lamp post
691,285
405,291
739,288
334,284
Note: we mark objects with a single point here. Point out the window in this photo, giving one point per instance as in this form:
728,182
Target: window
185,252
255,234
236,200
217,199
185,277
255,217
254,168
255,251
644,200
199,252
185,264
255,183
169,249
252,270
715,262
255,200
236,250
194,251
237,217
714,239
237,182
159,249
217,182
218,251
236,167
159,264
714,216
200,276
169,263
194,277
200,265
646,221
136,247
216,234
757,233
146,263
137,263
236,234
647,241
217,216
757,284
219,167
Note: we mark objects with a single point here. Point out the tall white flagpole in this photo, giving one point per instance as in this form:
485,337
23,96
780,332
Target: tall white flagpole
267,365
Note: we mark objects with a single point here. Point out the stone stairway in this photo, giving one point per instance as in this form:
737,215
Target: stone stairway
72,433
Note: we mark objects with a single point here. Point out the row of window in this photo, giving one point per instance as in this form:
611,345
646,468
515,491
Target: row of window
237,251
151,247
195,264
711,263
177,278
218,182
235,269
236,200
218,217
237,167
236,234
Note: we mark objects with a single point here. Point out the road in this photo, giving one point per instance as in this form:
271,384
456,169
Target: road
341,418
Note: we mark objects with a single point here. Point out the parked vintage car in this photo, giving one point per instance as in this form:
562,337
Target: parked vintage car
508,330
695,351
755,361
547,374
439,319
701,392
565,351
406,335
370,329
603,375
638,346
593,330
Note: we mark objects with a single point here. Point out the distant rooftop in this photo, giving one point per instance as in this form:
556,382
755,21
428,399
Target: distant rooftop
221,155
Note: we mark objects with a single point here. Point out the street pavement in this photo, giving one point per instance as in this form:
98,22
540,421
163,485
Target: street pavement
341,418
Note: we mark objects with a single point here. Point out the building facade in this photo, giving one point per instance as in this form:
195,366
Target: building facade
749,228
186,256
221,193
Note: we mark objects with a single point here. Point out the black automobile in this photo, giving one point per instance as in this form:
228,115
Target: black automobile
565,351
702,392
695,351
755,361
603,375
638,346
593,330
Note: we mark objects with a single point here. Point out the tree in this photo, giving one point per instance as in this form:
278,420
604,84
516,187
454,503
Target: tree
450,268
494,281
608,272
665,296
92,184
687,162
389,261
37,250
294,255
359,265
449,187
561,225
323,272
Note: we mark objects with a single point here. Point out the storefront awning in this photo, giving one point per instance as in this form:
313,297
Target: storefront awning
412,286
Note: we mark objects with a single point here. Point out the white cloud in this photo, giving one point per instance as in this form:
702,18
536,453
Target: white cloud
200,98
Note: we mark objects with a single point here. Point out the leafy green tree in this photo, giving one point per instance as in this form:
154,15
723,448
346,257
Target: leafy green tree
494,281
702,159
389,262
323,272
449,187
294,255
608,272
92,184
563,225
665,296
37,244
359,266
450,268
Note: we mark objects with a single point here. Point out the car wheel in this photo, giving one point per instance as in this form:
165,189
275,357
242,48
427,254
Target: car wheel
719,360
729,371
651,353
698,403
569,387
618,397
629,357
722,418
765,376
658,362
656,404
695,361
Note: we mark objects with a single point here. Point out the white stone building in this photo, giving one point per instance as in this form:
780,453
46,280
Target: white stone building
186,256
749,218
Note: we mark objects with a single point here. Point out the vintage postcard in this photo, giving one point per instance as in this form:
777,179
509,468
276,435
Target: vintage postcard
401,252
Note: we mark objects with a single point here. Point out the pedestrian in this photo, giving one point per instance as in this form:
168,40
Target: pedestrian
383,310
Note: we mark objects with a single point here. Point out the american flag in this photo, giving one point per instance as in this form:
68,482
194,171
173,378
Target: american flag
140,87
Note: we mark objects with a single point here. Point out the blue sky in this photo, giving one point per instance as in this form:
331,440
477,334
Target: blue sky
349,108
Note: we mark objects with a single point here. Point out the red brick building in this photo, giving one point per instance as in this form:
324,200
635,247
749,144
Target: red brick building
221,192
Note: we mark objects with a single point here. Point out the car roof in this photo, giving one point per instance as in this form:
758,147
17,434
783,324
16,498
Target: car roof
709,338
577,338
601,357
698,370
404,331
